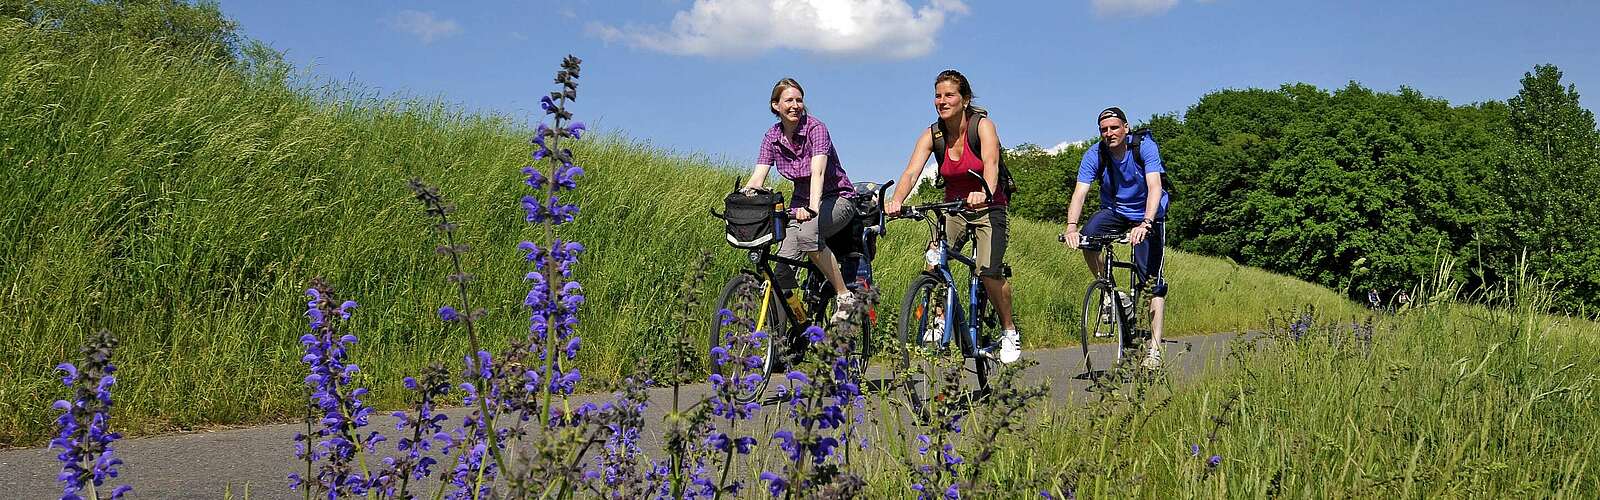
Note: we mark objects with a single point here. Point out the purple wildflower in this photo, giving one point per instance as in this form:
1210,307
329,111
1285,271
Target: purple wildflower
775,483
342,413
83,429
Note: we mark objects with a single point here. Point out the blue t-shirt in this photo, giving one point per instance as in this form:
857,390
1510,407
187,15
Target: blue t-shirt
1126,192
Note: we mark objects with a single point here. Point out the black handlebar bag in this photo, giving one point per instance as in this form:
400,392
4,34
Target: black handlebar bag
754,220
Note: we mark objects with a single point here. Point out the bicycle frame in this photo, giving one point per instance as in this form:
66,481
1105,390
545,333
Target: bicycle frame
976,296
1108,281
763,258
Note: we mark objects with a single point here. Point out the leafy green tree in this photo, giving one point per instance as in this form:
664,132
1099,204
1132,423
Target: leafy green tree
1547,177
176,24
1044,181
1353,189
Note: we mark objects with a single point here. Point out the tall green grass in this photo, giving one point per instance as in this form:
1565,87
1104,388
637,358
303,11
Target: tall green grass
185,206
1446,401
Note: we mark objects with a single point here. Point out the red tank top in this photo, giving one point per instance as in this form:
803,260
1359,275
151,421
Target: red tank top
958,183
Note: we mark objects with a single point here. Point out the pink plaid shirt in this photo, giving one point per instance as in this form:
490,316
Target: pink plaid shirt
793,159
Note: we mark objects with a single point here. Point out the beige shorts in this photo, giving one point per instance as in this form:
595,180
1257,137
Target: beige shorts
990,227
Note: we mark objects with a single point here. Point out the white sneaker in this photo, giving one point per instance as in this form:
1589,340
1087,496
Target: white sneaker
935,331
1010,346
842,306
1153,360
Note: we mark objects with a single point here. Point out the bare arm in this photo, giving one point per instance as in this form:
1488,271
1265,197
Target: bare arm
1152,203
1152,199
989,143
819,168
757,176
1074,211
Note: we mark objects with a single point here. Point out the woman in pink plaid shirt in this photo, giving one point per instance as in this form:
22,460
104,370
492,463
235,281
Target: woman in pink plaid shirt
798,146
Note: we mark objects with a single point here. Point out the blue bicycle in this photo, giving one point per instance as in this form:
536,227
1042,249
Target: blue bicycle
936,312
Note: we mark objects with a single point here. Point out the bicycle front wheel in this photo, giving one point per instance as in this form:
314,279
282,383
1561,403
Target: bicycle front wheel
922,329
746,335
1100,318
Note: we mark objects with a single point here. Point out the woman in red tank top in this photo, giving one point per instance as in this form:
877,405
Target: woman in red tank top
952,98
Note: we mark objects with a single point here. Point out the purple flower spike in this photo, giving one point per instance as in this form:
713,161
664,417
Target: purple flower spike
83,433
1214,461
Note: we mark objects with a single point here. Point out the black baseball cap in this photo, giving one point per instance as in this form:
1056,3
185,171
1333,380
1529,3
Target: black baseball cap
1110,112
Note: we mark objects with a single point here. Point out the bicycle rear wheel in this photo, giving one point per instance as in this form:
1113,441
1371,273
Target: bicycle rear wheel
922,328
748,336
1100,317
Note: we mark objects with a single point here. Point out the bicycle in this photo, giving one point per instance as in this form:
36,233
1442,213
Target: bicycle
771,314
1109,311
932,314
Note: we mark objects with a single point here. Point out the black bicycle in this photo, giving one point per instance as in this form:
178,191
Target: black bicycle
1109,311
933,314
757,303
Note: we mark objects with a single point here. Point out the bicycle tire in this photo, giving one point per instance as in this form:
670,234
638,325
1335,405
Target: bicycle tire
1092,321
742,296
921,312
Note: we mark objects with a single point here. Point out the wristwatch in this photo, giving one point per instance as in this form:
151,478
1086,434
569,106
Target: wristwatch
1148,223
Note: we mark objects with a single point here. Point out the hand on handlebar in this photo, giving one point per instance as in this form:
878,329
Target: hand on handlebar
802,214
1072,239
891,208
976,200
1137,235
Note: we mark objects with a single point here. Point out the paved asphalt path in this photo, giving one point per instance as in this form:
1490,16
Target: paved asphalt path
208,463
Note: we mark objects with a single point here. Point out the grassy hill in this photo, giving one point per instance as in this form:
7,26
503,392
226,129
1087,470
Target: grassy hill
185,206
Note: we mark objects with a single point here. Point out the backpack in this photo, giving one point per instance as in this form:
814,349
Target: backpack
1134,138
1007,183
753,220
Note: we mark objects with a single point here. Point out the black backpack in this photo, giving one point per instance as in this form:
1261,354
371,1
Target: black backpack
1007,183
1134,138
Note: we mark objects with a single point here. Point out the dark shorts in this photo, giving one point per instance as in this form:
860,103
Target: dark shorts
1148,256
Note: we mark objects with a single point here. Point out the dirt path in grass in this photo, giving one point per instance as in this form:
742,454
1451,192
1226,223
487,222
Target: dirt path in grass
206,464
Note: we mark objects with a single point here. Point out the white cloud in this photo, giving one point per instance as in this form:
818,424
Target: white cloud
890,29
1132,8
1063,145
423,25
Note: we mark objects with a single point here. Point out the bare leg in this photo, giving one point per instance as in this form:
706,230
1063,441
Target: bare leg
1158,309
999,290
825,261
1096,262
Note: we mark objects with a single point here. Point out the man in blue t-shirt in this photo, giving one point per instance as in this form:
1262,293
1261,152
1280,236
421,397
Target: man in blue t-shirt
1126,206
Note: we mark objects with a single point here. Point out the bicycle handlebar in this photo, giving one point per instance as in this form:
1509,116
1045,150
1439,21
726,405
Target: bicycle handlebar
915,212
1094,242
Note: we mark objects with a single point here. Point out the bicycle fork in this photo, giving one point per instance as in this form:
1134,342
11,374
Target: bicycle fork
975,298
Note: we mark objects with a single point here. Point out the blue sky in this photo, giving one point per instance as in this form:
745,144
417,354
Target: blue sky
694,76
